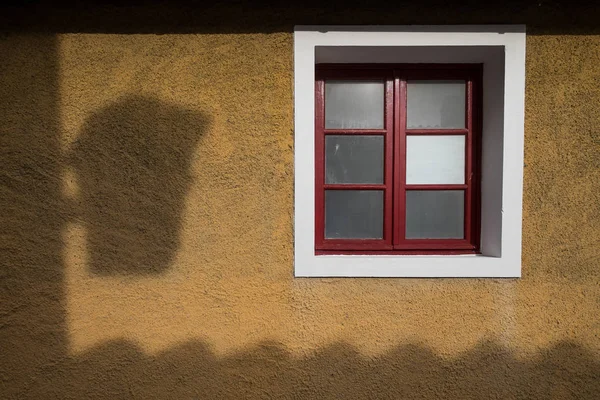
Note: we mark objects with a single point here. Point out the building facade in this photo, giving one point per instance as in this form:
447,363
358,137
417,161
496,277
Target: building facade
148,229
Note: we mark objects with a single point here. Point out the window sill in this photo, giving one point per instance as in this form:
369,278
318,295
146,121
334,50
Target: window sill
396,252
410,266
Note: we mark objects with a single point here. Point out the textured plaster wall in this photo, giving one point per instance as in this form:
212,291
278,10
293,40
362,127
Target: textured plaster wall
147,249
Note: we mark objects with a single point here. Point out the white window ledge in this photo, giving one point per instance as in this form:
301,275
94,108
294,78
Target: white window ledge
501,50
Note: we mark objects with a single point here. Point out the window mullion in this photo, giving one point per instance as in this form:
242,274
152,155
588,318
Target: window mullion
399,217
388,215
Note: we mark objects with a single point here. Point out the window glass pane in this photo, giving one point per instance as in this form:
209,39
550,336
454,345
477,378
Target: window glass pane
435,104
435,159
354,105
435,214
353,159
354,214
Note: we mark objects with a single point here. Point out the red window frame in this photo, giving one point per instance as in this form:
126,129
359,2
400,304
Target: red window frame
395,133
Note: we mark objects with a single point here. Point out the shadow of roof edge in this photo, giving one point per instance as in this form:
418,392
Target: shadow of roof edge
271,16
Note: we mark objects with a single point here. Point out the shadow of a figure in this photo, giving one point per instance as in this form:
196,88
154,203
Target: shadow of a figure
132,162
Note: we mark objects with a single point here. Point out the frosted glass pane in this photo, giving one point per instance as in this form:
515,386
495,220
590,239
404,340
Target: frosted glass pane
354,105
435,214
435,104
354,214
435,159
353,159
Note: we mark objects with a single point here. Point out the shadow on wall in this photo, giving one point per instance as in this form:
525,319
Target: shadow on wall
267,16
120,370
32,309
132,162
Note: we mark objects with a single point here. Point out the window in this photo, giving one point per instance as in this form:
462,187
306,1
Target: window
500,50
396,159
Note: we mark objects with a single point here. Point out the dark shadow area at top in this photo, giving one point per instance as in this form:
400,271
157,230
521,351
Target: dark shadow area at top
132,165
265,16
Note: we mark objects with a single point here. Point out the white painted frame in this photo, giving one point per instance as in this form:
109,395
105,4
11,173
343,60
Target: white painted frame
502,51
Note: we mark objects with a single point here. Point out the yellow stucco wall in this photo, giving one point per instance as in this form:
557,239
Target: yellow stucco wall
147,191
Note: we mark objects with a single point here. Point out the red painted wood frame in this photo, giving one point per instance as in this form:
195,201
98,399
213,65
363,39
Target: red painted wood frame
395,133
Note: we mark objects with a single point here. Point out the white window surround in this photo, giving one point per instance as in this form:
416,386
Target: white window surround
502,51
